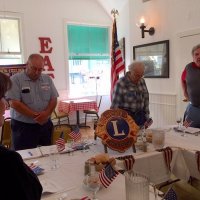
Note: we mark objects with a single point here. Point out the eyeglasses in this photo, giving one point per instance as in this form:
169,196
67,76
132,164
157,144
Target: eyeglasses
35,69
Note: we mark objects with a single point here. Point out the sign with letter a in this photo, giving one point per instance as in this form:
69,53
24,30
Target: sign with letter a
117,129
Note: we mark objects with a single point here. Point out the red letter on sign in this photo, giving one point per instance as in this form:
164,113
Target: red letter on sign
47,63
44,44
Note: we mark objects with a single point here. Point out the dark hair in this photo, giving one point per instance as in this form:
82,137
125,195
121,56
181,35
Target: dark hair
5,84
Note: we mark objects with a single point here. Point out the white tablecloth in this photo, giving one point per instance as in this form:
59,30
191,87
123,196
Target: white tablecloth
69,177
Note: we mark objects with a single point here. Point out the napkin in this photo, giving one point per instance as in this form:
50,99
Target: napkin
50,186
81,146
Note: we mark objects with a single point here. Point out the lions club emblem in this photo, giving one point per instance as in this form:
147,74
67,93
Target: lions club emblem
117,129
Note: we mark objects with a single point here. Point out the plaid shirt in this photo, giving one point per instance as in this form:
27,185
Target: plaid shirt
130,96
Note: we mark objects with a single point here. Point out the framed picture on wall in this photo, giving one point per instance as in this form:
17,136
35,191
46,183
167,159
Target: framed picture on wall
155,57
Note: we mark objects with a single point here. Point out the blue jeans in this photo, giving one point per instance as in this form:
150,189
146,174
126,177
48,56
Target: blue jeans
27,136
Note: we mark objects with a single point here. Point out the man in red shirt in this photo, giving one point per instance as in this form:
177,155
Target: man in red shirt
190,80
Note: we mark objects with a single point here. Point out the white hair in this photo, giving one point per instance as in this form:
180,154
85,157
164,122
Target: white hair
135,64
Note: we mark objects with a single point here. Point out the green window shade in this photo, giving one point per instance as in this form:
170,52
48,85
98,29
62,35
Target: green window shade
86,42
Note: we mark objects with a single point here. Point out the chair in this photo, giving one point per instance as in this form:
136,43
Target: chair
56,115
6,138
58,129
92,112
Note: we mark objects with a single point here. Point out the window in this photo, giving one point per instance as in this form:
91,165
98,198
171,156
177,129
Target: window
10,46
89,60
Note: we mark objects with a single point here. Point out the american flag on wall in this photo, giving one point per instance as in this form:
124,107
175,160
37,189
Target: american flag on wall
107,175
60,142
116,59
75,134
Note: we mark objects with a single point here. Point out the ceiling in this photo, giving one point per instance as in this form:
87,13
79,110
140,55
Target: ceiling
108,5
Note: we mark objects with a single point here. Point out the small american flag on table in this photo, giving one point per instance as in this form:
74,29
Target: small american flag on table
187,123
107,175
148,123
75,134
60,143
85,198
170,195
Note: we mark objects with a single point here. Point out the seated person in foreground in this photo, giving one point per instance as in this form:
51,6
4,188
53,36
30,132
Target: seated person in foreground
18,180
131,94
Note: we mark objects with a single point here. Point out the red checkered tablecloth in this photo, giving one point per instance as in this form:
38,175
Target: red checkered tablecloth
70,106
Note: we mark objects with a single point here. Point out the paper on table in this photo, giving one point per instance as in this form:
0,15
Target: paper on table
50,186
34,153
30,153
191,130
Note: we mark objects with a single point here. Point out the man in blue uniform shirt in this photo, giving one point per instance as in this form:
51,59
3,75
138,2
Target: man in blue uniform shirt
32,99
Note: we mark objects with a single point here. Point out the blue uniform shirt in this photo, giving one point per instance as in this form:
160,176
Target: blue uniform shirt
35,94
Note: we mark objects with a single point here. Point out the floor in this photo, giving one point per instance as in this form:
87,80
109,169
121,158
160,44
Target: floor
183,190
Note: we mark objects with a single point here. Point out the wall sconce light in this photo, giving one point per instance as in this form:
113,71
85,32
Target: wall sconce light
151,30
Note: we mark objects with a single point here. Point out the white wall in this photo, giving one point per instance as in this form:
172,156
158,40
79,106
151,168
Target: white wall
45,18
169,17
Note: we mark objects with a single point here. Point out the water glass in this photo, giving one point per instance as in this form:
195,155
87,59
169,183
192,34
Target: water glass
53,156
137,186
93,183
178,120
85,144
158,138
70,145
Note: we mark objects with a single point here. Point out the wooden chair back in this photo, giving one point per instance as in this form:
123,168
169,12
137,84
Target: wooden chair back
58,129
6,135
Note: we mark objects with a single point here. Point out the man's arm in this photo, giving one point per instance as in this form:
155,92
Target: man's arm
184,85
45,114
22,108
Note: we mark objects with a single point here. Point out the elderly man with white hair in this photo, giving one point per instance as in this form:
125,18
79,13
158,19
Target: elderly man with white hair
131,93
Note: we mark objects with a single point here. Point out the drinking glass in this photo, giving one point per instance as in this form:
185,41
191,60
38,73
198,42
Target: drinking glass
70,145
158,138
53,155
178,120
137,186
85,144
93,183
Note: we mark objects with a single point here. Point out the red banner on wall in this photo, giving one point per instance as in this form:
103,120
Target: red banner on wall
10,70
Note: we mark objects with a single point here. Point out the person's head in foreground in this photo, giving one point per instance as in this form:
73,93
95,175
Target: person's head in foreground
5,84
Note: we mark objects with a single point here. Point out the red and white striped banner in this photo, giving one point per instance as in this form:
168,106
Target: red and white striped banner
167,153
198,160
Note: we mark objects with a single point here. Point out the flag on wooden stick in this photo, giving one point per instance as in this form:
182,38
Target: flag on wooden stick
60,142
116,58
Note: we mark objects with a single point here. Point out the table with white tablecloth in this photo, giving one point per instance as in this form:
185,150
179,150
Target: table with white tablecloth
68,178
184,163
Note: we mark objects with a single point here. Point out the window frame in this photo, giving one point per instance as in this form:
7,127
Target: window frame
66,53
19,18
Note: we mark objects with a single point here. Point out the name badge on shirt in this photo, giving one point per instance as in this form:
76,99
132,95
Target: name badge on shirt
26,89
